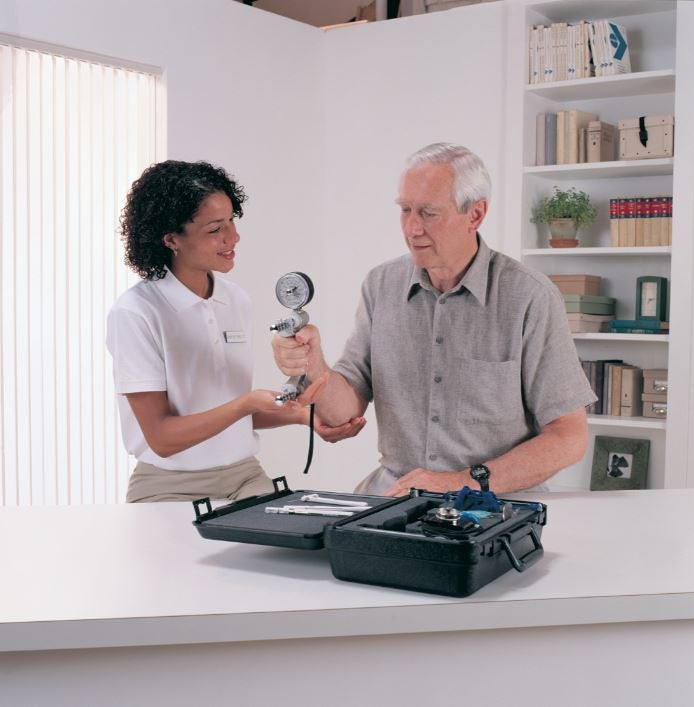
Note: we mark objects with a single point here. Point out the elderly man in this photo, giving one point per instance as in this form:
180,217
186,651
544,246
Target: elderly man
465,353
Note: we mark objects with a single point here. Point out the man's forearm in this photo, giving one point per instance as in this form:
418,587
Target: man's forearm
338,402
559,444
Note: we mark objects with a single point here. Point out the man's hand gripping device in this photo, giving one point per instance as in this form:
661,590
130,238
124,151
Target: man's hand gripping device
293,290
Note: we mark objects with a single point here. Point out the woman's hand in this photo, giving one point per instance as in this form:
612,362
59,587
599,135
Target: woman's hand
335,434
264,400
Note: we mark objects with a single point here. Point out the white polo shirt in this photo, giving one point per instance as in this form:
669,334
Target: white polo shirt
164,337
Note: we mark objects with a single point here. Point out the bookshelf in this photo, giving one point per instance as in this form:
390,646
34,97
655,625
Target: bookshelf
652,88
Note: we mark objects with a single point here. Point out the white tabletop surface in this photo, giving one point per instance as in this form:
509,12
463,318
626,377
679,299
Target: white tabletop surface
140,574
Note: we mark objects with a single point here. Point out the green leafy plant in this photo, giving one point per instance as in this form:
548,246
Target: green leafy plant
567,203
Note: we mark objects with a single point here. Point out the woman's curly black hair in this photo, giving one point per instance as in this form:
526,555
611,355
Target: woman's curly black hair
163,200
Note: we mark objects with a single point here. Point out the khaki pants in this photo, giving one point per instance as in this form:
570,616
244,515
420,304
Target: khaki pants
240,480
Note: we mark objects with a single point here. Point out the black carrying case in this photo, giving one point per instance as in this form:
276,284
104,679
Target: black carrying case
387,545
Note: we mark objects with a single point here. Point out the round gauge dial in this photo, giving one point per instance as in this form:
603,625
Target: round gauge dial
294,290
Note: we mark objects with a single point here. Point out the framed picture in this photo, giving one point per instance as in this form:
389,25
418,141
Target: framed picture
651,297
619,464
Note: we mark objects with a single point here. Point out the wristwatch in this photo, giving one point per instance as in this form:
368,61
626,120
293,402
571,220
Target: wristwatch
480,473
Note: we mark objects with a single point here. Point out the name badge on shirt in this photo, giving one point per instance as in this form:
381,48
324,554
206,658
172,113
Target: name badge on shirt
235,337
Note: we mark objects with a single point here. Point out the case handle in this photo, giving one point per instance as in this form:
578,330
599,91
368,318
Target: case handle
530,558
198,503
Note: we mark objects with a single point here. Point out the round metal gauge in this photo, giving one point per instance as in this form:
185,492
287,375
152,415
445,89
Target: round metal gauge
294,290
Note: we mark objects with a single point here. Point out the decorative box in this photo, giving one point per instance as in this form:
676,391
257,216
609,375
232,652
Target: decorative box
589,304
646,137
577,284
588,323
655,381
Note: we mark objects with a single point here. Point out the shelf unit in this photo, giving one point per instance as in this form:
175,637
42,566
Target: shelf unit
651,89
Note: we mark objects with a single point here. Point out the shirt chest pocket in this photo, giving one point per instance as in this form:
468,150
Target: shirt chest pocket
490,391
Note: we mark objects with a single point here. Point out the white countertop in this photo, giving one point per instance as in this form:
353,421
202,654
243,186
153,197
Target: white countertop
139,574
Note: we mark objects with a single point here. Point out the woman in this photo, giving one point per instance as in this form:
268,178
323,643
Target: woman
181,343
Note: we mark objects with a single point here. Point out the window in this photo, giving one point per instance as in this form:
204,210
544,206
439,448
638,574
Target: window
74,133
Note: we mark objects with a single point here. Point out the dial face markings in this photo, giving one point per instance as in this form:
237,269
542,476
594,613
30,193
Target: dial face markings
649,300
294,290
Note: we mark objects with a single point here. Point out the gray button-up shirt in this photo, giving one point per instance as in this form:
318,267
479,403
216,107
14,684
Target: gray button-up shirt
460,377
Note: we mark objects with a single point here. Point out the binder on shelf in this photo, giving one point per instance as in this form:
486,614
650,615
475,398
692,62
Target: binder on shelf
632,385
601,141
577,120
550,138
540,142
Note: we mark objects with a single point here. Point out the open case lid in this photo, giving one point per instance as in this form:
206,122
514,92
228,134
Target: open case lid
247,521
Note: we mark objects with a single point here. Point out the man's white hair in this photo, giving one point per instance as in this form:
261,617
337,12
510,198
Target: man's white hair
471,180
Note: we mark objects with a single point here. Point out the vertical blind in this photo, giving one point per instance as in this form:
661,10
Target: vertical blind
74,134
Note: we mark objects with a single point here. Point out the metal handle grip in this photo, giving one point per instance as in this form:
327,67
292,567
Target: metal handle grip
530,558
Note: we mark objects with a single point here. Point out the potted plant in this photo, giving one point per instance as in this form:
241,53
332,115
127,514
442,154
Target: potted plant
564,212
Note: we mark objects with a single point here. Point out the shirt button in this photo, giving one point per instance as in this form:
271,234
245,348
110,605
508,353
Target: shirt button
432,457
435,418
439,339
442,300
437,379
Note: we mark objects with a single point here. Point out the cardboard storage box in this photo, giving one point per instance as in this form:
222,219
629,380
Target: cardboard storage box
646,137
577,284
392,543
655,381
588,323
589,304
654,408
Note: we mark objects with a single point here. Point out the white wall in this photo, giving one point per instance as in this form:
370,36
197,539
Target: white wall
391,88
316,126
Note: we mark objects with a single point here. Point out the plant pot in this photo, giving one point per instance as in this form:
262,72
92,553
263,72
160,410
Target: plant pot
563,231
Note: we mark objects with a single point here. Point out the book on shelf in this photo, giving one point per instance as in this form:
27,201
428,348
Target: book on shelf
596,373
540,142
608,42
641,221
559,52
638,326
652,324
561,132
550,138
582,142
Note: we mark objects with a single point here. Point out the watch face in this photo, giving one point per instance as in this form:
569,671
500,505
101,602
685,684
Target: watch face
649,299
478,473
